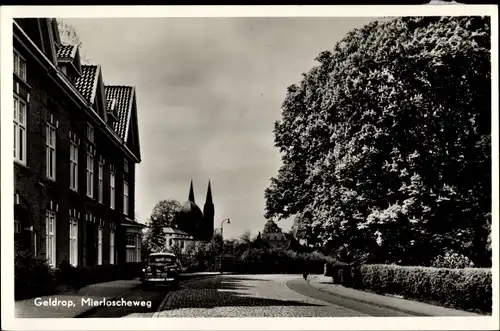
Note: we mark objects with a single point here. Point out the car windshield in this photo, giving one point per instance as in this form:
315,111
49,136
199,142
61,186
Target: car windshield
161,259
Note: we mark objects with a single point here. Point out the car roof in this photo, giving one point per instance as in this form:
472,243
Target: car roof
162,254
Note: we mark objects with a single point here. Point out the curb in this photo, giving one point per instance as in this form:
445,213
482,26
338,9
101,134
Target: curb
164,301
93,309
308,282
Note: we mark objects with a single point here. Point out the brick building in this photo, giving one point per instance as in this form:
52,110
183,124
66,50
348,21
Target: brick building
76,144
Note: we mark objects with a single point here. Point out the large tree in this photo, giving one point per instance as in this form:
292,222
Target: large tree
386,143
69,36
163,215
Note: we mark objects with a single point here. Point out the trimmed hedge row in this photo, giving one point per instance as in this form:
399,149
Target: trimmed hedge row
467,289
258,261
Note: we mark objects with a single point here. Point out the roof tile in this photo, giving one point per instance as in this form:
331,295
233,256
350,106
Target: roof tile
87,82
66,51
123,100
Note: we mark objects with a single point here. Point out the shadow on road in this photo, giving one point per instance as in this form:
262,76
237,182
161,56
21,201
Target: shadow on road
223,292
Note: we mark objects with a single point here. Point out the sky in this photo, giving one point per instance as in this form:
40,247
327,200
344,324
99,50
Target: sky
208,93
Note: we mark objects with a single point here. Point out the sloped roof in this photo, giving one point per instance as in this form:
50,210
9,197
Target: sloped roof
87,82
123,96
130,222
67,52
175,231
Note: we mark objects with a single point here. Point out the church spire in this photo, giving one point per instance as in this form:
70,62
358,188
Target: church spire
208,214
209,194
191,192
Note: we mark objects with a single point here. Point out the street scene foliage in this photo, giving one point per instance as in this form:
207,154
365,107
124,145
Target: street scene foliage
386,144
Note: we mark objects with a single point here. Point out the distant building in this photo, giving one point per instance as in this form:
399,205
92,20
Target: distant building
76,144
191,224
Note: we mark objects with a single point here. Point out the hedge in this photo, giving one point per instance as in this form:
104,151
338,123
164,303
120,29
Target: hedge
468,289
276,260
33,276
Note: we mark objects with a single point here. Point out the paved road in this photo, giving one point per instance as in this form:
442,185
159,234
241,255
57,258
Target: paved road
242,296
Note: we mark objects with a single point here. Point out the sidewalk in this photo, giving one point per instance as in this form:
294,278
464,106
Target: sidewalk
325,284
70,305
58,305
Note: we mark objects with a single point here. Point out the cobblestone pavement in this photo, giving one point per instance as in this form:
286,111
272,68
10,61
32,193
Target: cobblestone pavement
246,296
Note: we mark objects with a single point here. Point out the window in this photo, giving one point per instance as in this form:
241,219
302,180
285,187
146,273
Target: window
19,130
17,226
133,247
73,241
50,151
19,66
138,248
130,239
73,166
99,246
112,189
125,197
90,133
125,166
111,247
100,178
50,239
90,175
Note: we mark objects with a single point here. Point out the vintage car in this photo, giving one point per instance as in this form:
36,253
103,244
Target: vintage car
161,268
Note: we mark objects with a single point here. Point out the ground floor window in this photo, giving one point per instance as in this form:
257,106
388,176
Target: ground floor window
133,247
73,241
50,239
111,247
99,246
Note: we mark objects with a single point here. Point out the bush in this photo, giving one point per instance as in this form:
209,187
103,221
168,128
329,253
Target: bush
32,276
82,276
452,260
278,260
467,288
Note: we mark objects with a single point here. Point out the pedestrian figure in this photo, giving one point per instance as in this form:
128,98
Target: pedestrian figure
304,275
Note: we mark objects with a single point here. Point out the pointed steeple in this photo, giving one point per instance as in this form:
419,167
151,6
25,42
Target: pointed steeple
209,194
191,192
208,215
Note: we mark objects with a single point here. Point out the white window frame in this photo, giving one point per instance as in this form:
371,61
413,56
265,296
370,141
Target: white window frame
127,236
90,175
111,247
20,66
100,187
112,189
138,247
50,237
99,245
20,114
73,241
50,151
125,198
17,226
73,166
90,133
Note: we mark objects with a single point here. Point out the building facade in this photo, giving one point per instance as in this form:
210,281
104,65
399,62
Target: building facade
76,146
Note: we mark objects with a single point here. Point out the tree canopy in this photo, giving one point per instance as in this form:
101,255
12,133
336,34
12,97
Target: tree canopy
163,215
386,143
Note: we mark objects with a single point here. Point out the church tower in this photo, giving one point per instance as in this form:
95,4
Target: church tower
208,215
190,218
